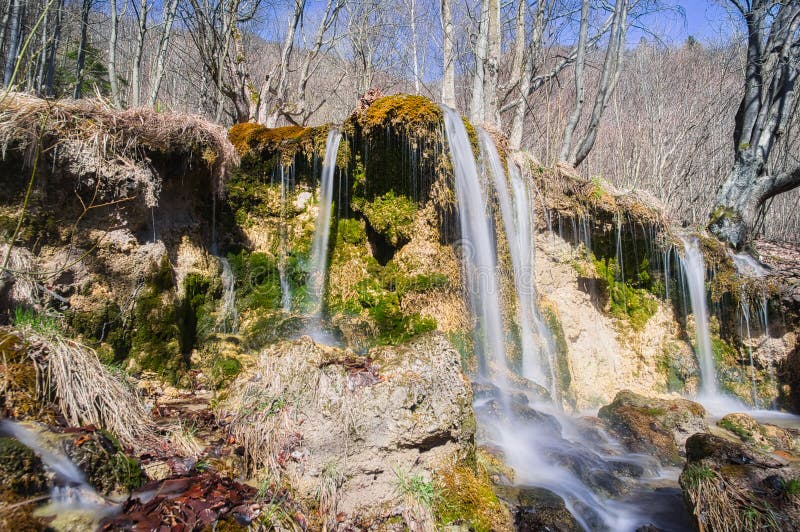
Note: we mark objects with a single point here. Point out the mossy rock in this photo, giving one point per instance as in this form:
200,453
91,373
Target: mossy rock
653,426
466,498
541,509
21,470
413,115
106,466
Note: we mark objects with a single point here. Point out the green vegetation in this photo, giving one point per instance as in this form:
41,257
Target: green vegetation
465,496
258,283
416,487
627,302
792,486
695,474
740,431
390,215
224,371
44,324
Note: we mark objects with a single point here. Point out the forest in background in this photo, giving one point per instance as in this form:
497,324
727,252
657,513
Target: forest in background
596,84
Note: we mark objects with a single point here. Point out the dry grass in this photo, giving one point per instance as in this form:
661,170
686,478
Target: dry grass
261,409
22,263
89,137
88,394
720,505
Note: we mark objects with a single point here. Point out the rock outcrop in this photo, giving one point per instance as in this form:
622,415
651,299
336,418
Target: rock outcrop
349,431
657,426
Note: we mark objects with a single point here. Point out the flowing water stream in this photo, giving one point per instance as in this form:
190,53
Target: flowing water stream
322,230
545,447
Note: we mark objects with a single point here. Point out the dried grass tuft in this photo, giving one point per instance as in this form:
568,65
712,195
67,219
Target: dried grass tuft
88,137
21,262
88,394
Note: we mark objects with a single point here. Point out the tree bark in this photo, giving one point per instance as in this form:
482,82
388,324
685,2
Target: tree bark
477,107
15,36
80,63
580,90
771,73
163,47
136,73
112,54
448,55
50,73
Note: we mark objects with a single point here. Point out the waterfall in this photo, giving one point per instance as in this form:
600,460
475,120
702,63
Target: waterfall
695,272
517,212
478,250
744,327
322,229
228,321
286,291
70,490
538,441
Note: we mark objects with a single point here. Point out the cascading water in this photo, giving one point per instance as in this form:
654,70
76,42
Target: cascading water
322,229
695,274
517,211
478,250
228,317
70,491
533,442
286,291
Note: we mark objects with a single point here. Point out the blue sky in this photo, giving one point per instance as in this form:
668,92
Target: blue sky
706,21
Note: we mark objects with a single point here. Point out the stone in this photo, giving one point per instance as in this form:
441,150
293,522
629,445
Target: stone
653,426
541,509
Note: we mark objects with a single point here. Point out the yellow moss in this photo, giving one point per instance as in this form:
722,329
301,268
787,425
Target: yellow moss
466,497
412,115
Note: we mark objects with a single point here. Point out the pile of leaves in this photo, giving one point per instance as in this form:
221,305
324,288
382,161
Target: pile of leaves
187,503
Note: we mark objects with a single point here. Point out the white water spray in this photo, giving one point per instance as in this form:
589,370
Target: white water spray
228,317
322,229
286,291
695,273
478,250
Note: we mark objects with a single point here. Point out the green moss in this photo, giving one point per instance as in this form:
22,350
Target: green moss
258,283
156,337
634,305
224,371
390,215
740,431
413,115
562,350
104,329
465,497
21,470
352,231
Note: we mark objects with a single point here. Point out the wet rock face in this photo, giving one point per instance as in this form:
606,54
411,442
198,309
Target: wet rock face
343,429
729,485
541,509
653,426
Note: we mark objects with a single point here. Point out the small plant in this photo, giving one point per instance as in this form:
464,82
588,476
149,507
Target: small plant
742,432
415,486
695,474
44,324
792,486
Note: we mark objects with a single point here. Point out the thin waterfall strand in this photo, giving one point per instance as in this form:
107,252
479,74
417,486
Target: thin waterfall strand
322,229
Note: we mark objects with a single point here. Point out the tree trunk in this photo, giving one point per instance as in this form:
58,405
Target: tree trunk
772,70
136,73
15,36
580,91
50,75
112,54
492,69
448,57
79,67
161,57
477,108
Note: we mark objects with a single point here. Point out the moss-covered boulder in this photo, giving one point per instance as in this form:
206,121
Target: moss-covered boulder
731,486
653,426
21,470
765,437
466,498
99,455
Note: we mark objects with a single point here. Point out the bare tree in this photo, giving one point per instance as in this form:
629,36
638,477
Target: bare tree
15,33
448,55
772,68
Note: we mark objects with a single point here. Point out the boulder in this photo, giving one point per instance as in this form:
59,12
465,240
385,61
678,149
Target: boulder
541,509
653,426
766,437
351,432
